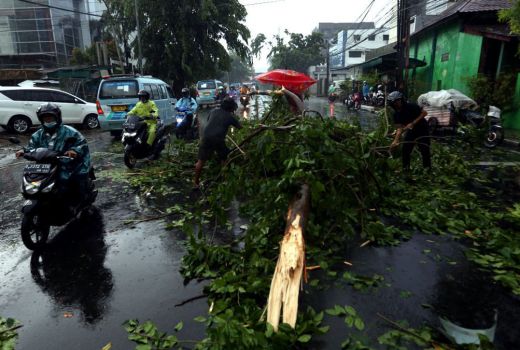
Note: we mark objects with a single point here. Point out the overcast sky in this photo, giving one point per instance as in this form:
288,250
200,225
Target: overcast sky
302,16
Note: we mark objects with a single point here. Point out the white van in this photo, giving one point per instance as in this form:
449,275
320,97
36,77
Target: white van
18,106
118,95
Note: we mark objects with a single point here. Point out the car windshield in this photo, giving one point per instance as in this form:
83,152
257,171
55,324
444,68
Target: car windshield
206,85
118,89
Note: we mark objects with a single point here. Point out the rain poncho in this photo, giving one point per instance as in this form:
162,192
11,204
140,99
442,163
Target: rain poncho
56,142
147,109
187,102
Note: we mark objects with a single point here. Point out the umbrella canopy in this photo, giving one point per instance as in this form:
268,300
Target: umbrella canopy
292,80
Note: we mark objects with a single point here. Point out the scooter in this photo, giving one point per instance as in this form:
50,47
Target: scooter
244,100
135,134
495,132
186,128
48,203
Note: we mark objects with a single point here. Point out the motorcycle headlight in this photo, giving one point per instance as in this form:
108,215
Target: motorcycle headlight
130,134
48,188
31,187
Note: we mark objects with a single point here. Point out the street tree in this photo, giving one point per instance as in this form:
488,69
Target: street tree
291,50
512,16
187,40
239,70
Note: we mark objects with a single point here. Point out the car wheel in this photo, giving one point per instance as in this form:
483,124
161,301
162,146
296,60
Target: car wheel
91,122
19,124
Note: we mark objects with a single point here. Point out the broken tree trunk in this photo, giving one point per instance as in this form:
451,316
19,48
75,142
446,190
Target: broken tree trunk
287,278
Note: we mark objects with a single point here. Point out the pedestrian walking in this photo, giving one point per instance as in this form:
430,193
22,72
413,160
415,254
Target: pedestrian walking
409,119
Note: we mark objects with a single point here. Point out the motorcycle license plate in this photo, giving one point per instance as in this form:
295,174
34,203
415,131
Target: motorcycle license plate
118,108
37,169
206,94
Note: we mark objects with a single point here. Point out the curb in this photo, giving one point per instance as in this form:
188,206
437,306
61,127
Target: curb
514,143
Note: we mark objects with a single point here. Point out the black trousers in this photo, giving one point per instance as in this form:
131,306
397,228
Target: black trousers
422,140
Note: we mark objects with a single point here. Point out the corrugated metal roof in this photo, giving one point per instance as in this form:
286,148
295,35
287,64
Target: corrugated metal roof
468,6
485,5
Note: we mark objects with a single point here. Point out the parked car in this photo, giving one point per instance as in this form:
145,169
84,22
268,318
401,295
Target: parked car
207,91
18,106
118,95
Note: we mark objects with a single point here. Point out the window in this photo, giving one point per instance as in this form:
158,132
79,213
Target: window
25,24
155,92
170,92
63,98
371,38
118,89
386,37
201,85
357,37
40,96
45,35
16,95
162,90
355,54
25,37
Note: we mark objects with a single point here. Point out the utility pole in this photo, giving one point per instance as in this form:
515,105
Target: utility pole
328,67
140,55
403,44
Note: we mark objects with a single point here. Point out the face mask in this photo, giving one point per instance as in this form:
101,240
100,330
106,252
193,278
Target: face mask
50,125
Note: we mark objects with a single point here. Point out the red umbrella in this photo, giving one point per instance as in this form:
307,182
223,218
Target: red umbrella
292,80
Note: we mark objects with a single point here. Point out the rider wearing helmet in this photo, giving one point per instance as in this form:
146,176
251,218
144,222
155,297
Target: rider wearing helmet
410,117
64,139
187,102
214,135
147,110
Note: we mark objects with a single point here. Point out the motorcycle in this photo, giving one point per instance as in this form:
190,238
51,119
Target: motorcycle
135,134
186,128
495,132
244,100
48,203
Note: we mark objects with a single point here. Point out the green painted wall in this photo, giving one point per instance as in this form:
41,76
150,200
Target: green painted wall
512,119
457,57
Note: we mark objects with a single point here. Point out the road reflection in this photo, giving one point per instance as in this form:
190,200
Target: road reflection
71,269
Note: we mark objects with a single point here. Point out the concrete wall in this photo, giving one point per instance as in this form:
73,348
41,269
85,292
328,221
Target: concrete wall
456,58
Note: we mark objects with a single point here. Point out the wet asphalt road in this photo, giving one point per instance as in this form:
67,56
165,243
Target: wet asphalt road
99,272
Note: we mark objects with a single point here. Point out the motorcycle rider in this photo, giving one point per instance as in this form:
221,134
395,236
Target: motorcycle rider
147,110
62,138
189,103
410,117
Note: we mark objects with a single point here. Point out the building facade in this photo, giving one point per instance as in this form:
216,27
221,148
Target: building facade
352,46
42,33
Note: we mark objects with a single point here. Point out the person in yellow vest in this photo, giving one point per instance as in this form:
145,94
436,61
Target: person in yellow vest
147,110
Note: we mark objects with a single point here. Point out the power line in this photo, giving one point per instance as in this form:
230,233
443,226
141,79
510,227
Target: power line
263,2
60,8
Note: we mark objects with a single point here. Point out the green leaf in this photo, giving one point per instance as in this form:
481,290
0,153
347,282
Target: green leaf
179,326
269,331
304,338
349,320
350,310
359,324
200,319
143,347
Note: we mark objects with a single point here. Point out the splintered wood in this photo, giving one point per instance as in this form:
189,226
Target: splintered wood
287,278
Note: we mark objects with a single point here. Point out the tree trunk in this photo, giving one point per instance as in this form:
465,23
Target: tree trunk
289,270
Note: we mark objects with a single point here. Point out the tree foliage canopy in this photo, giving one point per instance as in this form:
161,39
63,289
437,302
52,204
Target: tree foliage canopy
239,70
512,16
298,53
183,40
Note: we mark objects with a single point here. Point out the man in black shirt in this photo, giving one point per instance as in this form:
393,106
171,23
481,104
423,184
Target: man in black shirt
409,118
214,135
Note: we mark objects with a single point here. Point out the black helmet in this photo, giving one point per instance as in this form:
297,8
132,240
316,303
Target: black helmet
394,96
185,92
228,104
143,95
49,109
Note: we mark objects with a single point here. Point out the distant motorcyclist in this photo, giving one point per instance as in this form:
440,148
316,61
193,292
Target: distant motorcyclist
147,110
221,95
189,104
244,90
64,139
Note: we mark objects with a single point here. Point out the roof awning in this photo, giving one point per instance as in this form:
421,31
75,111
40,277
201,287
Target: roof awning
389,62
